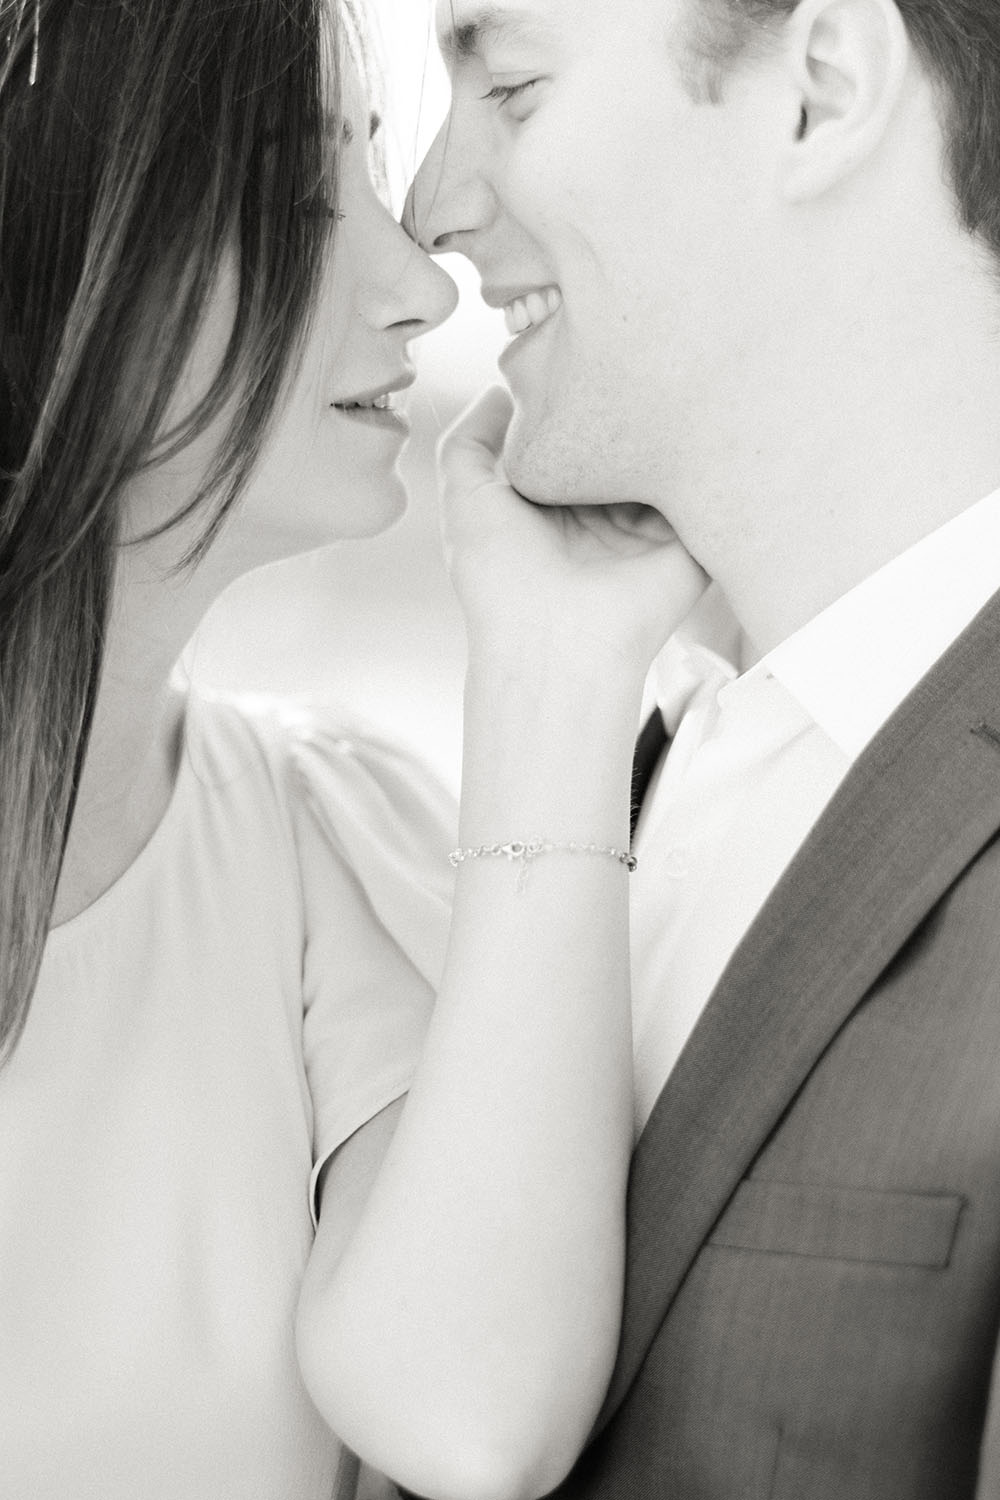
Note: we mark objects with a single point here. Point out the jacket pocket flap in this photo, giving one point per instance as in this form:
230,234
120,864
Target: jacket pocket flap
890,1228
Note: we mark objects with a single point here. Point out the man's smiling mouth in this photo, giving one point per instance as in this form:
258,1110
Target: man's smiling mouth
531,310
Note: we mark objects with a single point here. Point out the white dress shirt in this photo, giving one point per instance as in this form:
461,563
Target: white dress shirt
755,759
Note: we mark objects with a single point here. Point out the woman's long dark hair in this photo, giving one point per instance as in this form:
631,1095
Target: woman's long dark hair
156,135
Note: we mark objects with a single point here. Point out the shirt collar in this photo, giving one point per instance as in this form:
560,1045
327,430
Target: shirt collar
853,664
704,648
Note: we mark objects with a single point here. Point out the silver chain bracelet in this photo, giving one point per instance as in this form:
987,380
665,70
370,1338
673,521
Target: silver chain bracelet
524,851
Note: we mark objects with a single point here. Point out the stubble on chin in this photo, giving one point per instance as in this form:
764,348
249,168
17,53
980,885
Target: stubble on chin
546,463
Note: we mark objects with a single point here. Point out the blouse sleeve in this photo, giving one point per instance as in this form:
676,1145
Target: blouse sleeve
373,829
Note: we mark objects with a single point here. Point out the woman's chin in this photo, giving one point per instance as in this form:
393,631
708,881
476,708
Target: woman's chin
301,521
366,510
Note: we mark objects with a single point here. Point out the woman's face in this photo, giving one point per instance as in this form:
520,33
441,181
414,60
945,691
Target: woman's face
328,470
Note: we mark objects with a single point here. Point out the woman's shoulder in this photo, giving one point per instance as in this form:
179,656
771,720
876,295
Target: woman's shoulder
313,750
359,803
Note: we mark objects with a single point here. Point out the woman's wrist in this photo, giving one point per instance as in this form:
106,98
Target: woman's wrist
542,715
549,757
549,673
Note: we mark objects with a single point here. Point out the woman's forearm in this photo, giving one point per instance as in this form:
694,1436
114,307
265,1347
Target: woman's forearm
464,1338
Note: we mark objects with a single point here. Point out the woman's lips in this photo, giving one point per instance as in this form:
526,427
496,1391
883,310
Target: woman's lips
385,417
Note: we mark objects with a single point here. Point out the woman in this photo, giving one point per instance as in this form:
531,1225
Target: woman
220,927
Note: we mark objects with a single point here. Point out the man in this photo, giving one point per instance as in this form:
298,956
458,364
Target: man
748,250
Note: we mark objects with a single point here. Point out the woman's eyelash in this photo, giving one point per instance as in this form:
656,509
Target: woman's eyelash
502,93
321,208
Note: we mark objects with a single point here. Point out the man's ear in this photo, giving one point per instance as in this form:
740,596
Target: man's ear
848,60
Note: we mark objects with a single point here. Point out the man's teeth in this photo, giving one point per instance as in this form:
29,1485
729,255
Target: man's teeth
527,312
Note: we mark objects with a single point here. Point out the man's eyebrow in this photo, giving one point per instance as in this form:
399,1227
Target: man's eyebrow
488,26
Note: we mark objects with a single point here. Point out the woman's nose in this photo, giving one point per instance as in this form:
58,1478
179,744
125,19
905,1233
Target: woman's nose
412,291
435,293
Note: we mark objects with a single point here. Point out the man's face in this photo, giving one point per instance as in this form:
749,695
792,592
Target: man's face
623,219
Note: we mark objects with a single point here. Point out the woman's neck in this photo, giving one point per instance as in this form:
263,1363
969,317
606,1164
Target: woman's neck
136,738
126,786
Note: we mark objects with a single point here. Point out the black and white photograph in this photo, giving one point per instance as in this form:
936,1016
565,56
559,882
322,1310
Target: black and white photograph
499,749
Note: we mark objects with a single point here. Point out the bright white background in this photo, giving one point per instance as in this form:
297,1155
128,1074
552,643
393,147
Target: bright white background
373,624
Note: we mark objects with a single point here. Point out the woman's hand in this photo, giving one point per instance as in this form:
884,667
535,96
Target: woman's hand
610,582
464,1337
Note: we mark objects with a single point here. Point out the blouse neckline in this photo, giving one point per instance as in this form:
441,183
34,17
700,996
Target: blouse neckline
104,904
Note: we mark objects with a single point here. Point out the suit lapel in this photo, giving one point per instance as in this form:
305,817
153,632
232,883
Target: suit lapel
918,806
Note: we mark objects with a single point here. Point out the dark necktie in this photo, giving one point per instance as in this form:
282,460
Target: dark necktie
648,749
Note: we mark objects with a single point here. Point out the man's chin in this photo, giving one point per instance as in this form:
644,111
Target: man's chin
544,466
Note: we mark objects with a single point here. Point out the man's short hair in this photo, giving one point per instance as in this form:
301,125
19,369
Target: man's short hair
959,44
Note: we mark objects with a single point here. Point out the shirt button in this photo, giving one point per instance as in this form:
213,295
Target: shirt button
676,864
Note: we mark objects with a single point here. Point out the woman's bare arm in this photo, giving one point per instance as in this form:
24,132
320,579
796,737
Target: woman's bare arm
463,1337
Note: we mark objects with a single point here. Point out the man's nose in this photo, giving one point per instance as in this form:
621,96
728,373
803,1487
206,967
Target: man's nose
423,218
449,198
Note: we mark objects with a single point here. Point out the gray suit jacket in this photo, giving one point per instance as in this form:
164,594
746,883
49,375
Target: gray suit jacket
813,1281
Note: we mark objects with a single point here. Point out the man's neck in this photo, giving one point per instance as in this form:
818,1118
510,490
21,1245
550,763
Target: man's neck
890,437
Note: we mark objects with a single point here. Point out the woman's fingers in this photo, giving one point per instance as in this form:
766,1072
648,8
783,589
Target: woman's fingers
470,449
616,575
